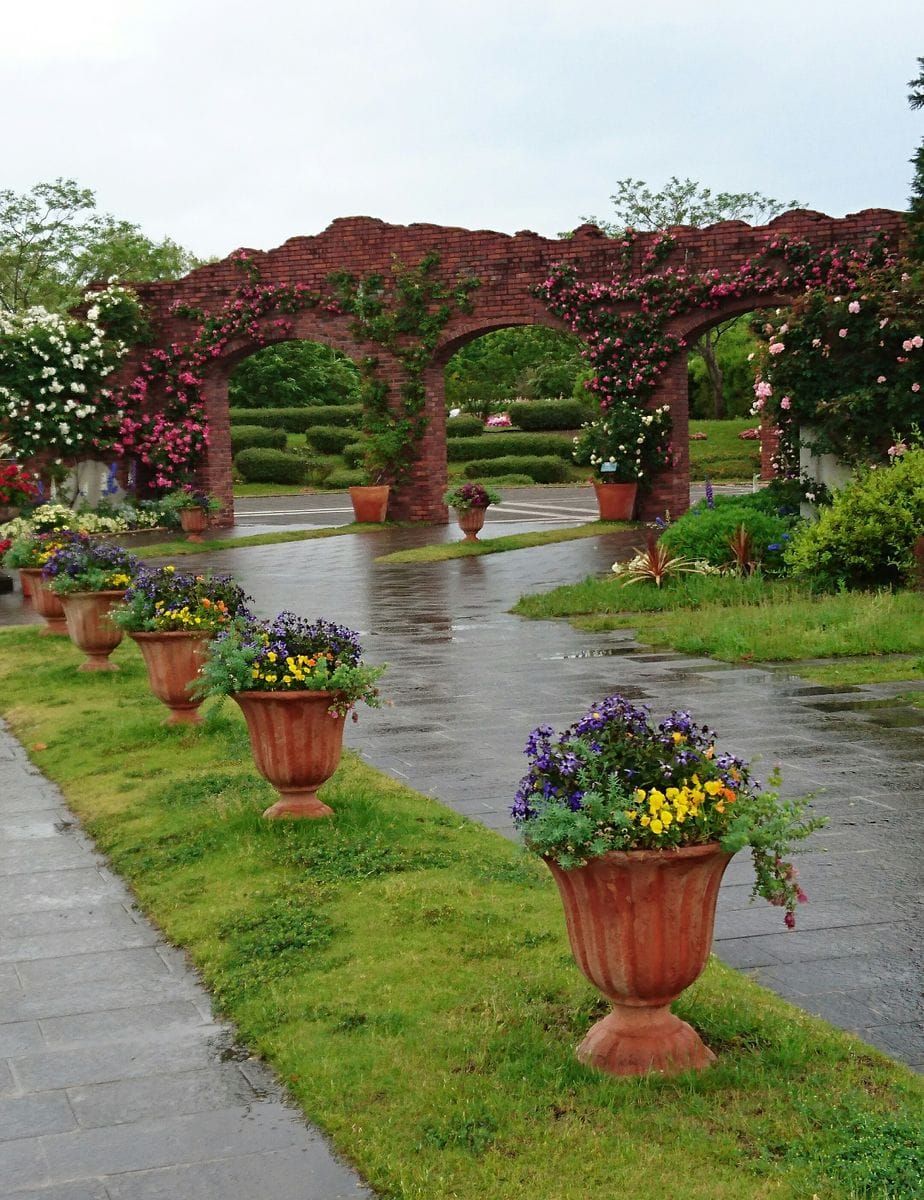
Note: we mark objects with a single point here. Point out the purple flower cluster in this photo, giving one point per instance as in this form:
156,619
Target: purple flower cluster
84,557
615,739
288,636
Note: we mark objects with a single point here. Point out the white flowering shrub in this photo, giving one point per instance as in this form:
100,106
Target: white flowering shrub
52,373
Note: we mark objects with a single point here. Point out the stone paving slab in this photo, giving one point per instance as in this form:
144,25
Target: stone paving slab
115,1080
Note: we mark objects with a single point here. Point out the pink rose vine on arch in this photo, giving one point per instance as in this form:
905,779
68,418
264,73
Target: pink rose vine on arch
624,323
165,427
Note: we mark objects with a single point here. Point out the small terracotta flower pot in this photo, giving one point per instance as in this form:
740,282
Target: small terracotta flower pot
370,504
44,601
87,616
640,924
616,501
173,660
471,520
296,745
194,522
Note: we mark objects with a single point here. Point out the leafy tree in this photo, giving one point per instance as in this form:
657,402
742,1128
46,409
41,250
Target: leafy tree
916,217
294,375
685,202
531,361
53,243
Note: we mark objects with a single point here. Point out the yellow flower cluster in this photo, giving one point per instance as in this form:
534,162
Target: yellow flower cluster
212,613
120,580
658,810
294,671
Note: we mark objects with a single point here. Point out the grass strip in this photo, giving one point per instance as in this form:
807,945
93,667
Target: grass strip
407,974
742,619
512,541
179,548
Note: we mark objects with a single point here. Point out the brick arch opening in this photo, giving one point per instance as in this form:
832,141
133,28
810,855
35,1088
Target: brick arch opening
508,268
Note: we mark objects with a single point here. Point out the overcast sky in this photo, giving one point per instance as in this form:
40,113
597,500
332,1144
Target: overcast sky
224,123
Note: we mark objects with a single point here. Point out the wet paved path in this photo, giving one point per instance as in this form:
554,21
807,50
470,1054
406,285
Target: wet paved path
115,1082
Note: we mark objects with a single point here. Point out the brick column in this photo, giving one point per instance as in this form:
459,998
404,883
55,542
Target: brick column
421,498
670,491
214,476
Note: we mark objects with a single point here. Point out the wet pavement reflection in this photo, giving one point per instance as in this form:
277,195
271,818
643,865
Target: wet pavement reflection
468,681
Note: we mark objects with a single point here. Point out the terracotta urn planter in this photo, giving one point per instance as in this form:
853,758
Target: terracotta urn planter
194,522
370,503
44,601
640,924
471,520
296,746
173,660
616,501
87,616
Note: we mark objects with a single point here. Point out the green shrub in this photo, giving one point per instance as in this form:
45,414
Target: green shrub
464,426
245,436
259,465
328,439
503,445
353,454
299,420
704,532
540,468
549,414
340,479
865,537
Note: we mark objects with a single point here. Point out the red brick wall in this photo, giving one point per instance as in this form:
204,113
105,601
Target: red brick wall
508,267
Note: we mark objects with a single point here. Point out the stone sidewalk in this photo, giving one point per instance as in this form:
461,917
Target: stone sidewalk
116,1082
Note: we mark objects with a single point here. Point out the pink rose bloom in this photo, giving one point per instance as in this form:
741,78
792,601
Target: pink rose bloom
786,402
853,306
776,347
915,387
881,379
917,341
842,333
907,344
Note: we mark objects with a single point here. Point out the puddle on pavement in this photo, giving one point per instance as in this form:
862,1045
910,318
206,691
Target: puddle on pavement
603,652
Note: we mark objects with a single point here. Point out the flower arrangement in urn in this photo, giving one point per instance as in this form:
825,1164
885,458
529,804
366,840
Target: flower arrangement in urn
626,443
637,823
90,577
165,600
171,615
191,508
470,500
295,681
86,564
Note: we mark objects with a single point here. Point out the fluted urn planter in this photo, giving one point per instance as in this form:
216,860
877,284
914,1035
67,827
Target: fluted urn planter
44,601
370,503
296,745
173,660
640,924
471,521
616,501
193,522
90,629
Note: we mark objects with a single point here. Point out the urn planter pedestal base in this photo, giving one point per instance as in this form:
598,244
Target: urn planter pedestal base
173,660
296,745
471,521
640,925
193,522
44,601
87,616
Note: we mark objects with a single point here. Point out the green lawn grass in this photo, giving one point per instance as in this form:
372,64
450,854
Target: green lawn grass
407,974
513,541
723,455
741,619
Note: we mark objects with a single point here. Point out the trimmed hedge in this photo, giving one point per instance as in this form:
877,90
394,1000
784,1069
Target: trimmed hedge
353,454
259,465
549,414
245,436
464,426
503,445
299,420
328,439
540,468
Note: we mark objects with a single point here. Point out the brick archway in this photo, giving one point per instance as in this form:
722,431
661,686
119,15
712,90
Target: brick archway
508,268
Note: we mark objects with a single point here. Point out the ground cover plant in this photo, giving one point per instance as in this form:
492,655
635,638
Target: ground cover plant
335,947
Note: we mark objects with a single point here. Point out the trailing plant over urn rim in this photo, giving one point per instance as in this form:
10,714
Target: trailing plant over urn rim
471,495
290,654
612,781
